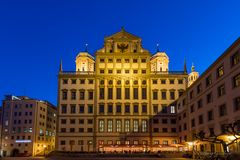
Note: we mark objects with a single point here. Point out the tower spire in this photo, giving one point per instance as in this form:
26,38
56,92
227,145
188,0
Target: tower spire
86,47
185,66
193,68
60,66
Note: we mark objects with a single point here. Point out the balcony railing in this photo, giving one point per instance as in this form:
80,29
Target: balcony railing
93,72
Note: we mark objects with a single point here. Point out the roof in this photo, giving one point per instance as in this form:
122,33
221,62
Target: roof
123,35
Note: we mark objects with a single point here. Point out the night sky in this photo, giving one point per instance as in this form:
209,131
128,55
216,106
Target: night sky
36,34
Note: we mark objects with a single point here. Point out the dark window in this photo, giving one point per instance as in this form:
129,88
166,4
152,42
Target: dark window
90,109
63,142
72,121
180,81
110,93
155,109
119,93
63,121
135,71
193,122
163,81
81,121
101,60
209,97
199,88
110,108
90,121
110,71
155,95
155,130
64,95
221,90
72,130
90,95
101,93
172,95
208,81
64,108
90,81
173,121
73,108
89,130
171,81
143,60
164,95
118,108
180,92
200,119
144,82
144,93
65,81
101,70
165,130
143,71
127,93
155,121
236,103
235,58
81,130
101,108
154,81
135,93
164,109
74,81
135,108
164,121
210,115
191,94
127,108
118,71
222,110
173,130
144,108
199,103
82,95
192,109
82,81
63,130
135,60
81,109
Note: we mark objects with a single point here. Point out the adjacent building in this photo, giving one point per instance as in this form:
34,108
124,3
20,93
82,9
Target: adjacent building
119,99
28,126
211,102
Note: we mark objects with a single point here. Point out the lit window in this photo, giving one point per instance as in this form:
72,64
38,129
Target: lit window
220,71
109,125
119,126
101,125
173,109
144,125
135,126
236,81
127,125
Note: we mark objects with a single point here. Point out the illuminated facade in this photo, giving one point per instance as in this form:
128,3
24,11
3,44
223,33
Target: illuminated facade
119,99
211,102
28,126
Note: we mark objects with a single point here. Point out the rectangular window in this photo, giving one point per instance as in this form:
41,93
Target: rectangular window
73,95
101,108
110,60
155,108
81,108
180,81
118,61
64,95
73,109
155,95
127,93
143,71
118,108
82,95
127,125
144,93
119,125
193,122
64,109
110,108
135,93
210,115
135,71
90,81
127,71
154,81
236,81
235,58
118,71
220,71
143,60
101,125
165,130
199,102
119,93
200,119
90,95
102,71
192,108
164,95
110,93
222,110
209,97
101,93
144,125
102,60
90,108
135,108
171,81
135,61
65,81
126,60
208,81
135,125
164,109
163,81
172,95
236,103
127,108
82,81
173,110
199,88
144,108
221,90
109,125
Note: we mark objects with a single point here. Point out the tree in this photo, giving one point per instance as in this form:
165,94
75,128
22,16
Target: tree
229,129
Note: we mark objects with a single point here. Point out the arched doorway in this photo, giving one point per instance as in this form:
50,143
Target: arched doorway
15,152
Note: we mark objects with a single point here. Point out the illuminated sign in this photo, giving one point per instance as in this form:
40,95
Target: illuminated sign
23,141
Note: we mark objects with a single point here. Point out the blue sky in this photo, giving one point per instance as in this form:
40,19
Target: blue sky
35,35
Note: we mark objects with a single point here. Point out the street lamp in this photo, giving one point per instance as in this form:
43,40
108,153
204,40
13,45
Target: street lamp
89,143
